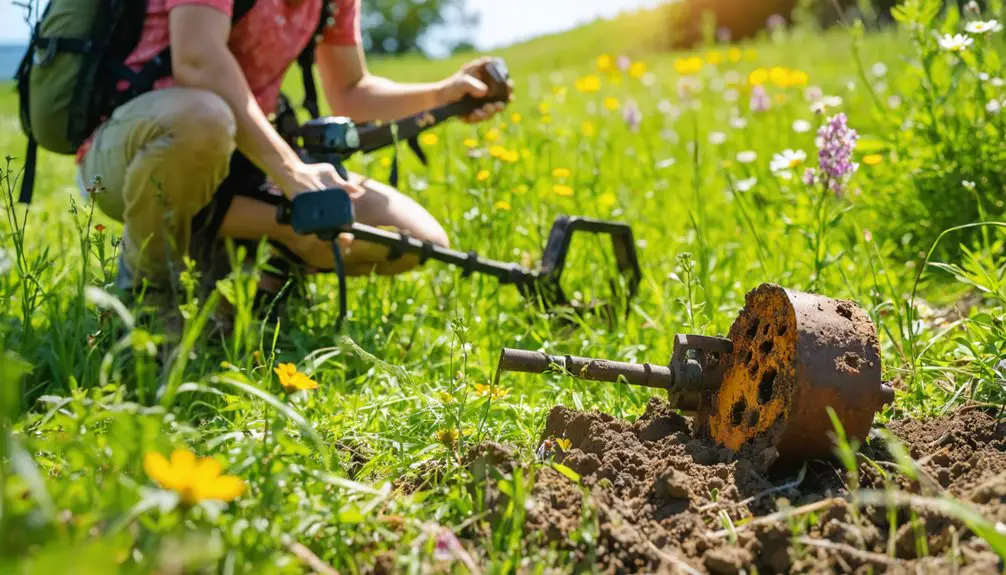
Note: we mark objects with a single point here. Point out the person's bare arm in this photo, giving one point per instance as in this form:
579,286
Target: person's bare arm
351,90
201,59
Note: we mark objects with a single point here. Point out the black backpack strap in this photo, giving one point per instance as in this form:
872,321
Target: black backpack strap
305,61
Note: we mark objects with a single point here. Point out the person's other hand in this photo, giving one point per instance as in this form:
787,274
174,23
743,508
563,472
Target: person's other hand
471,80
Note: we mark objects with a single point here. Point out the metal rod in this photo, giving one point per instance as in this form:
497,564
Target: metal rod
506,273
644,374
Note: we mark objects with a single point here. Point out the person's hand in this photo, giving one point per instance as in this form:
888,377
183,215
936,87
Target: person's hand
307,178
471,80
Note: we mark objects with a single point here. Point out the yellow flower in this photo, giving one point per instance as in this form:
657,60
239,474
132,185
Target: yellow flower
758,77
429,139
471,143
293,380
873,159
510,157
515,118
687,66
445,397
502,205
521,189
588,84
611,103
734,54
482,176
561,173
750,55
559,91
779,76
714,57
492,392
588,129
193,480
564,443
497,151
562,190
546,119
604,62
637,70
544,107
492,135
798,78
447,436
607,200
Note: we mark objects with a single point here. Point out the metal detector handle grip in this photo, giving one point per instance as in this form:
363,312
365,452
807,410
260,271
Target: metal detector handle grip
375,136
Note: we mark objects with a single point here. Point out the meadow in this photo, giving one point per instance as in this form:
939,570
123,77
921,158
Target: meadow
706,154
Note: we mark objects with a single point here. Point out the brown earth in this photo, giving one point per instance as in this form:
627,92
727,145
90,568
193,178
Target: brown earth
667,502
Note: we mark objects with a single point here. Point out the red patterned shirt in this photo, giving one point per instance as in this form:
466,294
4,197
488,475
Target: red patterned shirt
265,42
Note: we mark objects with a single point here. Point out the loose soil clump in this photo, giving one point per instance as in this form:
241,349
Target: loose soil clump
666,501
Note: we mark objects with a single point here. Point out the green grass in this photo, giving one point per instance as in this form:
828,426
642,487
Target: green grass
319,466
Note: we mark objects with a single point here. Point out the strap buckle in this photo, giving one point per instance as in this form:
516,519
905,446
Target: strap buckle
48,51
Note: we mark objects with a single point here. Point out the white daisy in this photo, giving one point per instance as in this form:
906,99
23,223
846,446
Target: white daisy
747,184
717,138
787,160
746,157
879,69
801,126
993,107
956,43
979,27
738,123
822,105
968,185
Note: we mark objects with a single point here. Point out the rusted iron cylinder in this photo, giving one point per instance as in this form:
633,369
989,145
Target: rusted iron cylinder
795,355
644,374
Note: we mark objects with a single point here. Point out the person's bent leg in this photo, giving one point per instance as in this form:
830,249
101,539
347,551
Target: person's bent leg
160,159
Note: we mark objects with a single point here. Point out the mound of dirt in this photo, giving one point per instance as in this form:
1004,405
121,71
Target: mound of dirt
667,502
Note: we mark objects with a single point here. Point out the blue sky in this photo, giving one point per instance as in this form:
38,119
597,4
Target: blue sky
503,21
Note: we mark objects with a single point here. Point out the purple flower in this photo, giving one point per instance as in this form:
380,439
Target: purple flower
623,63
810,176
760,100
632,115
723,35
776,21
836,141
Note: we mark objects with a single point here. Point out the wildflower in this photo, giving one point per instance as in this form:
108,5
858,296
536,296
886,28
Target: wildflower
471,143
546,119
723,35
688,87
543,108
760,101
747,156
746,184
99,228
758,77
776,21
490,391
879,70
713,57
447,436
956,42
564,443
429,139
993,107
515,118
973,7
980,27
587,129
797,78
482,176
492,135
810,176
193,480
561,173
738,123
637,70
502,205
968,185
894,102
779,76
717,138
835,146
821,105
787,160
611,103
445,397
6,263
293,380
688,66
813,93
734,54
604,62
750,54
632,115
588,84
873,159
623,63
562,190
801,126
607,200
731,95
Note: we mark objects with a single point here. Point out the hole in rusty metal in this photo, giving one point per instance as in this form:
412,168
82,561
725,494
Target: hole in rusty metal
767,386
852,360
752,419
765,329
713,359
782,329
753,330
737,413
766,346
748,356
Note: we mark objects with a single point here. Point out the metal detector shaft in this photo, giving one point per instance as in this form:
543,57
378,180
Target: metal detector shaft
644,374
470,262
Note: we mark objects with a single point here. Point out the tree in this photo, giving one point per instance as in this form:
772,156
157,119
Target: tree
402,26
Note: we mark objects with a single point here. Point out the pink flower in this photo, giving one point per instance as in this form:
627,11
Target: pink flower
632,115
760,100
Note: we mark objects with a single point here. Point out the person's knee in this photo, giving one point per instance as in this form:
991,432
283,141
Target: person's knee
203,123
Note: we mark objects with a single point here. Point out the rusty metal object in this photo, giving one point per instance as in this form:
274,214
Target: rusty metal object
795,355
790,356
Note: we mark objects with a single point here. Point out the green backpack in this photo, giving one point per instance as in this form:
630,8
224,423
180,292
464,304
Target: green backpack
68,79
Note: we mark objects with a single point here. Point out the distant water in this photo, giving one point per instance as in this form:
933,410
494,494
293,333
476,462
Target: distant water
10,57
